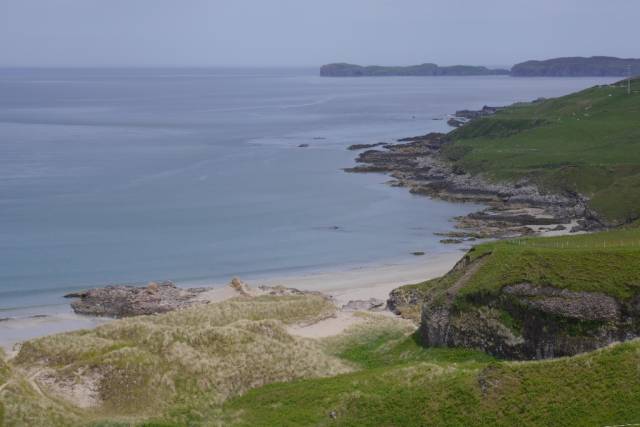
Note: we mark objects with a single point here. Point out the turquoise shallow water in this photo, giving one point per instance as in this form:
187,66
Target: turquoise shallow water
129,175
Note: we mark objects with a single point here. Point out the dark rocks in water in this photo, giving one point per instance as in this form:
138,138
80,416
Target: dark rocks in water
476,114
127,300
355,147
456,122
366,169
523,219
4,319
420,164
303,145
417,253
451,241
372,304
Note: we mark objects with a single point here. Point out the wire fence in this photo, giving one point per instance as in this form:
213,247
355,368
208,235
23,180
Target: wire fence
590,244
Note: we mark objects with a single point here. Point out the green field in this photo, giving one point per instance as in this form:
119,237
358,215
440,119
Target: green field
452,387
607,262
587,142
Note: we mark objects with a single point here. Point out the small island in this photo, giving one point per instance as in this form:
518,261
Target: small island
428,69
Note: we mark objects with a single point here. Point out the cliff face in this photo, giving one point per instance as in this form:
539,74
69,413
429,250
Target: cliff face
533,298
428,69
526,321
595,66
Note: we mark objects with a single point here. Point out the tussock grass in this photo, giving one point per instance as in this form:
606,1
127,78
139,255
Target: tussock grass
178,363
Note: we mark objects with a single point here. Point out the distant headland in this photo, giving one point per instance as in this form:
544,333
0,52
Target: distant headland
352,70
595,66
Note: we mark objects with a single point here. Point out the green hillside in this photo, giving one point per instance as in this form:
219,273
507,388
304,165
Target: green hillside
587,142
419,387
607,262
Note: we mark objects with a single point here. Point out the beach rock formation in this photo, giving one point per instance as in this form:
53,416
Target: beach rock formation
127,300
372,304
160,297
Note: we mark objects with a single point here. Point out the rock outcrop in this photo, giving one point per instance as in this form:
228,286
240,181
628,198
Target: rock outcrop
523,321
417,164
127,300
372,304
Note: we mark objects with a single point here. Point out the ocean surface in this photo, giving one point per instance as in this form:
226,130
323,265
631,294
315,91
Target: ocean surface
196,175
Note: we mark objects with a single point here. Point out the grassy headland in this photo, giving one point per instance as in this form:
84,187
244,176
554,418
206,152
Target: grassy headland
587,142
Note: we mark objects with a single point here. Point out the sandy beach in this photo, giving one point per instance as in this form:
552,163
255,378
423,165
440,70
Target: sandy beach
371,281
346,284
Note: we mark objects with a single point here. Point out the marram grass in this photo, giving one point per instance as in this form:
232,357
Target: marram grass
170,364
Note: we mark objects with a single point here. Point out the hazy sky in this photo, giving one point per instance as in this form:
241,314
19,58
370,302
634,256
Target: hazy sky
312,32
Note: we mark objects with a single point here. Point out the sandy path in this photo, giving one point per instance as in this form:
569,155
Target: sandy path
327,327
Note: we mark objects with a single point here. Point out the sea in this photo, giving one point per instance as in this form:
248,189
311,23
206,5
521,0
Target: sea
198,175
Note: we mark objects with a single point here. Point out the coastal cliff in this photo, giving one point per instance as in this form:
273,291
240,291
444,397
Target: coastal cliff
533,298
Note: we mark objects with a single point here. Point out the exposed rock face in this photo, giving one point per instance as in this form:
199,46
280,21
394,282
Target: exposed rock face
528,322
126,300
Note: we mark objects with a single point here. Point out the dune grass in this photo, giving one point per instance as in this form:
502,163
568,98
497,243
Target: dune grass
178,364
383,377
586,142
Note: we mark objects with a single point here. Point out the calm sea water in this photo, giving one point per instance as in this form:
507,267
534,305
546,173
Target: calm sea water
129,175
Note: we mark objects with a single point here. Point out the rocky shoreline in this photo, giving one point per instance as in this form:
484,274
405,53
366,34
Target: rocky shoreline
119,301
513,209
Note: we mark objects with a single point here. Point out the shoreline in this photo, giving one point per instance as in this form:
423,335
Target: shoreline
343,284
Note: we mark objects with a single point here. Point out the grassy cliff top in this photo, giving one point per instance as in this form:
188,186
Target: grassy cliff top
607,262
587,142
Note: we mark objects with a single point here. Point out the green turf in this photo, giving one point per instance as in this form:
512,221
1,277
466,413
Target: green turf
596,389
587,142
607,262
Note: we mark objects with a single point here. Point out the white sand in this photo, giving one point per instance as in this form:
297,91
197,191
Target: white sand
353,283
371,281
327,327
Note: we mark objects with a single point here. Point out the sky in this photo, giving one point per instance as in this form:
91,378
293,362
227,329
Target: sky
311,32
